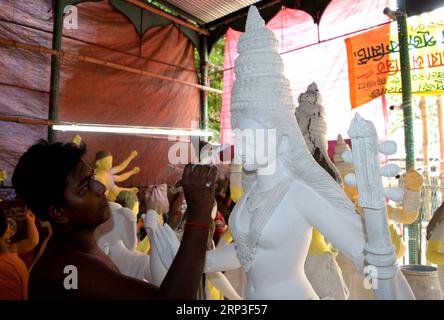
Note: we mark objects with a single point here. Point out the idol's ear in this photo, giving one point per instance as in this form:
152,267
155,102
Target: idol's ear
58,214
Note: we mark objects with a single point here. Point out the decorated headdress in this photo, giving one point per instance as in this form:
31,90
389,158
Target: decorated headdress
260,82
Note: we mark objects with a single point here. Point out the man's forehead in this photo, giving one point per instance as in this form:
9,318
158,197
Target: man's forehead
81,170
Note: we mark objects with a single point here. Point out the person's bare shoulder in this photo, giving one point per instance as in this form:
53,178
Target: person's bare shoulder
47,277
69,274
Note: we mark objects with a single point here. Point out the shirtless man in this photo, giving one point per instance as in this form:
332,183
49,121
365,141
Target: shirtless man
58,185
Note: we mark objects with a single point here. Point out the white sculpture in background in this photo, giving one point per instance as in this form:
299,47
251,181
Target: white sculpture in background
435,251
271,224
117,237
321,268
310,115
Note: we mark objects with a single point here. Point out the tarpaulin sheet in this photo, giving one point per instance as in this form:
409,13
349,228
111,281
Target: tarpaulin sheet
92,93
316,55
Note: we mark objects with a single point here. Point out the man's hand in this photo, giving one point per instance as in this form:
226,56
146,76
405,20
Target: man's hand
198,184
437,217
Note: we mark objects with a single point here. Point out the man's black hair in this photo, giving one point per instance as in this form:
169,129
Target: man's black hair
3,222
40,175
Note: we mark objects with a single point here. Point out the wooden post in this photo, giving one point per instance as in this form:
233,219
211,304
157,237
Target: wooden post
203,52
55,66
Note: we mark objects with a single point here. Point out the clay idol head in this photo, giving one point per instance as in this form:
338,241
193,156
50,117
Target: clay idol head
263,110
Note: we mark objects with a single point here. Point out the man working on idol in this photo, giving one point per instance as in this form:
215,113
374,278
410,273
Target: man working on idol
58,185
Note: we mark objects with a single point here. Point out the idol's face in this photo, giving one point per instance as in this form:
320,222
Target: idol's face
254,145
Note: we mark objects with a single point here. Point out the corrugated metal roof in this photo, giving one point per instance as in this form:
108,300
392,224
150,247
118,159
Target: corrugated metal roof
210,10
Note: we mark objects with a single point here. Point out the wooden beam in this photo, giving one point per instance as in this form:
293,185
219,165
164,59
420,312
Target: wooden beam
180,12
168,16
22,120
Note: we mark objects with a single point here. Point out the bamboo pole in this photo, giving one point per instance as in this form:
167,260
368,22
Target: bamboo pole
441,132
168,16
55,67
35,122
108,64
409,142
203,52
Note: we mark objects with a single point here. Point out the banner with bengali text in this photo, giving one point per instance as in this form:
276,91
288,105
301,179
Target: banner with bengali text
374,62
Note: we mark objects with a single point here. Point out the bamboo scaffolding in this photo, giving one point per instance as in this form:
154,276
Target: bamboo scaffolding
108,64
168,16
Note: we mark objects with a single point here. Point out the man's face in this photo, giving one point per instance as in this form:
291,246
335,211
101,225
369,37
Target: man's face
86,203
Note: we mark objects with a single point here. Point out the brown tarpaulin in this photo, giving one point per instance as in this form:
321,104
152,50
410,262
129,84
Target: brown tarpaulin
96,94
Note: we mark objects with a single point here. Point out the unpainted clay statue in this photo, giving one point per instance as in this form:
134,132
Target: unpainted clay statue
290,192
117,237
321,267
310,115
108,175
435,248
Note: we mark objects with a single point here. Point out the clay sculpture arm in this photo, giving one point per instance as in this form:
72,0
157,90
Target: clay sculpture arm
222,259
433,252
435,244
344,229
408,212
126,175
164,246
223,285
125,163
